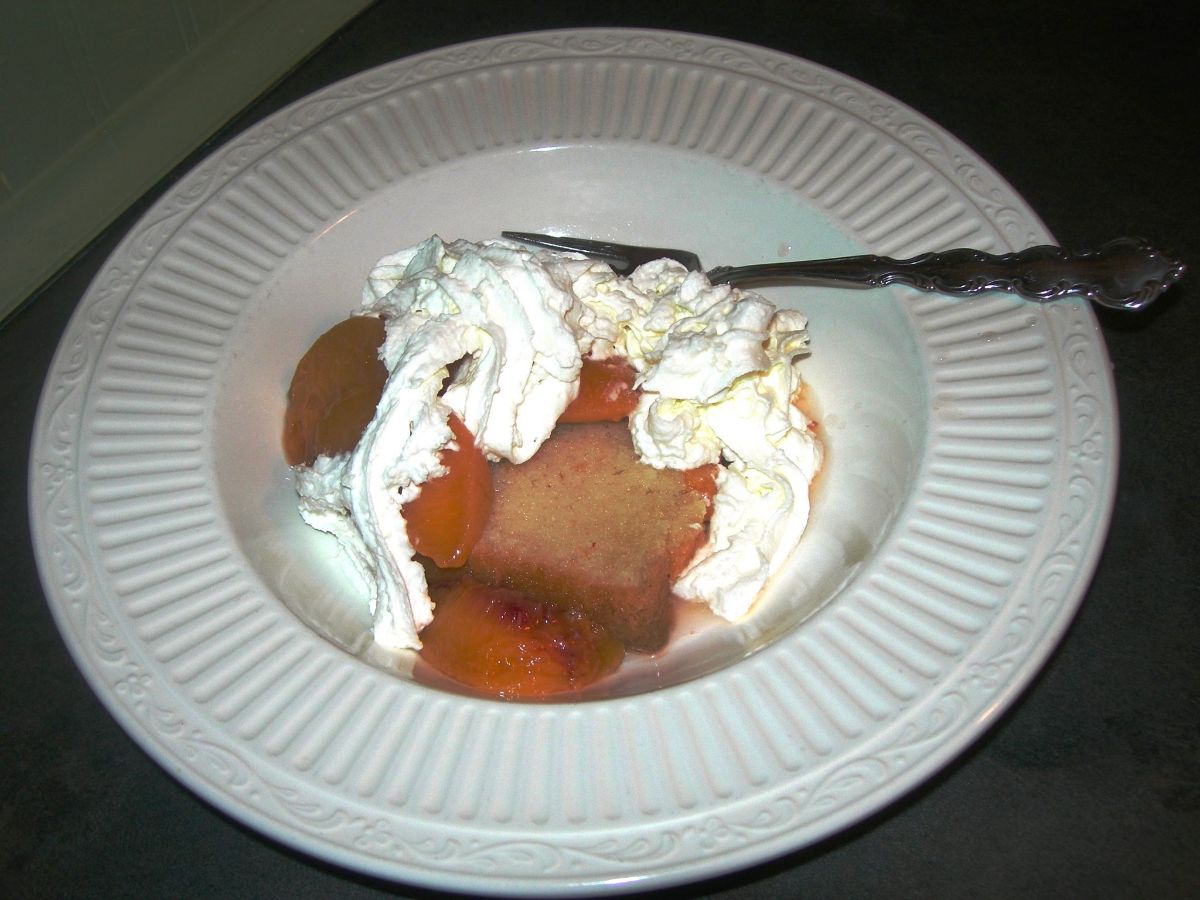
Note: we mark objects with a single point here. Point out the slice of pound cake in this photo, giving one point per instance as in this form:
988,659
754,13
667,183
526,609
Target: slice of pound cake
587,525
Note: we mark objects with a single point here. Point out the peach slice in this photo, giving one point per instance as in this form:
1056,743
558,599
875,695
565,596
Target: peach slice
506,644
446,518
606,392
334,391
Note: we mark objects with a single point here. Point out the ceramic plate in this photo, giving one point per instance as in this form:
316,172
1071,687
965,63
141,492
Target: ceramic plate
970,475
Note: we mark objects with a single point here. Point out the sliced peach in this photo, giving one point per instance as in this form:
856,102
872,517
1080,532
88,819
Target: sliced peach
606,392
446,518
334,391
503,643
703,481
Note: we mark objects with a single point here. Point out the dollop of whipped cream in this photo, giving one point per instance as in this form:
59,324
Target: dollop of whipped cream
717,368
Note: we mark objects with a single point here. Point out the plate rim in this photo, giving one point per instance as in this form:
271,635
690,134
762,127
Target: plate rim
42,479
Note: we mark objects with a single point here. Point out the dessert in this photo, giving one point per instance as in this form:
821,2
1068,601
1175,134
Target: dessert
334,391
488,346
544,536
499,641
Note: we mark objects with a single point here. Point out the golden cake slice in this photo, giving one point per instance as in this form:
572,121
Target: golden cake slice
587,525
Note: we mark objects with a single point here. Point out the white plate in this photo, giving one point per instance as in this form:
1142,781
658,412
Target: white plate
971,474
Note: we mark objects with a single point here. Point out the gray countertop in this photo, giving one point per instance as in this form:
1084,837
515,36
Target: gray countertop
1088,786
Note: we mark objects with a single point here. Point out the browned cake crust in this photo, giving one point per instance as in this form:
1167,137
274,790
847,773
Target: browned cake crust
587,524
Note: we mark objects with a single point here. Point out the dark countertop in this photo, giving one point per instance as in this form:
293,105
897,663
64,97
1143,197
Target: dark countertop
1088,786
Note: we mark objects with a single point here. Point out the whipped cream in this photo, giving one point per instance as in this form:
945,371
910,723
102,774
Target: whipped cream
716,367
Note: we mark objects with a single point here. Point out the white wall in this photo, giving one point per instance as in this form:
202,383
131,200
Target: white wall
101,98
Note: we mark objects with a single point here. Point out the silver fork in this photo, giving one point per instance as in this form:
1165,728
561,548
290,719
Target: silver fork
1126,273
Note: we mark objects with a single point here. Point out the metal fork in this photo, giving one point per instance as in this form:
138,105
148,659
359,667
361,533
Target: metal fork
1126,273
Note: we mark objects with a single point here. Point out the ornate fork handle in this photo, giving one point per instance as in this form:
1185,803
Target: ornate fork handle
1126,273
